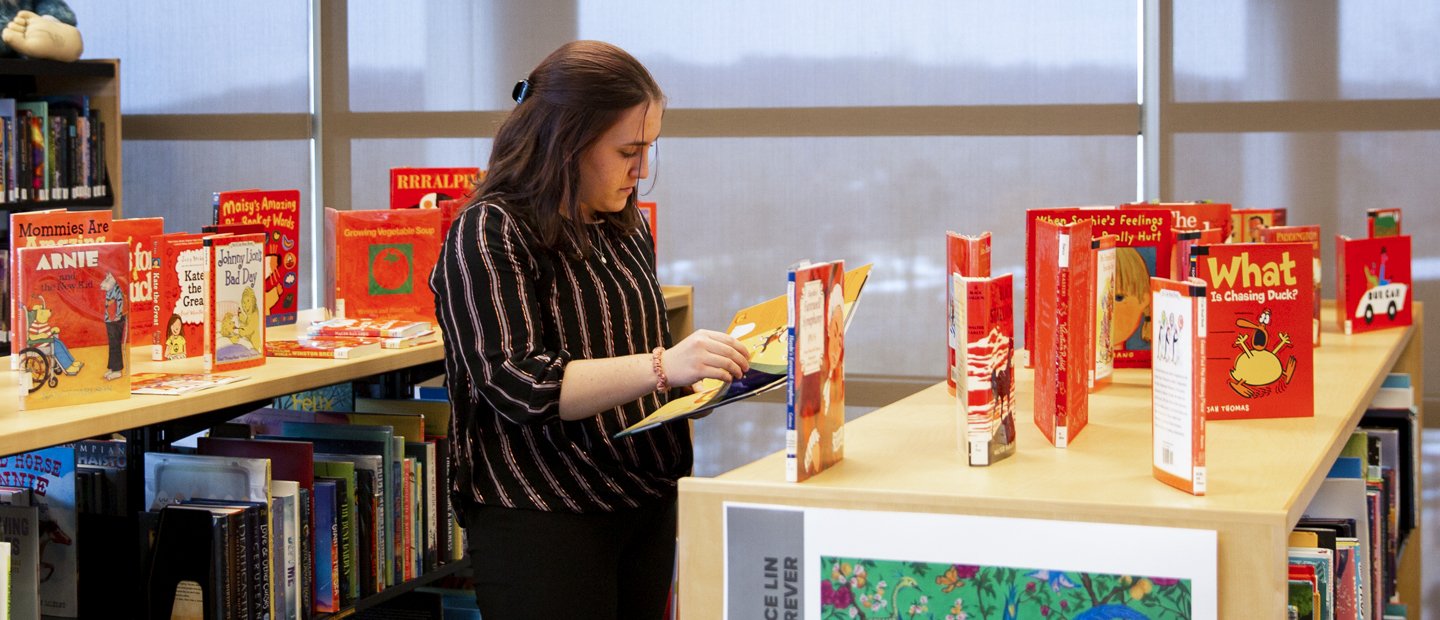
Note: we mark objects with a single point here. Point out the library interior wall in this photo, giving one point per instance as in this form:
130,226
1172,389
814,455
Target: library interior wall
934,116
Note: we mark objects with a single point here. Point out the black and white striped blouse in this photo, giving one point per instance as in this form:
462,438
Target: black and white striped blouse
512,315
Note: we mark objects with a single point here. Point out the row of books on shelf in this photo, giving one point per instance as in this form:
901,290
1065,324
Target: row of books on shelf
277,514
51,149
1345,551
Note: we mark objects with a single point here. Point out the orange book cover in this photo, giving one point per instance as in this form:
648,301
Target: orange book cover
179,279
1194,215
1064,295
650,212
140,234
815,394
1258,351
1372,283
1177,398
234,317
75,347
968,257
1302,234
277,213
1246,224
985,319
424,188
45,229
379,263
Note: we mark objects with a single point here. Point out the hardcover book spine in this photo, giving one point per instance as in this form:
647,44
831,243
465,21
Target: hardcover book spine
1062,346
792,470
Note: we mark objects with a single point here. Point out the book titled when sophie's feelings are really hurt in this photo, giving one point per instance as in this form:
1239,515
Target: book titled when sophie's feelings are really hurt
235,318
277,213
75,346
1177,402
1259,352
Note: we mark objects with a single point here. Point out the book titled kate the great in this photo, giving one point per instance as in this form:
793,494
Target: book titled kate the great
377,263
235,318
278,213
815,395
74,305
1177,401
179,279
1258,350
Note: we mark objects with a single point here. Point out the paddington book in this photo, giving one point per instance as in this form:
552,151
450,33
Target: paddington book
1101,349
180,280
234,317
1372,283
1063,304
1246,224
1258,351
277,212
1302,234
378,261
45,229
815,392
1194,215
1383,222
1177,400
984,312
969,257
76,347
140,234
1144,243
424,188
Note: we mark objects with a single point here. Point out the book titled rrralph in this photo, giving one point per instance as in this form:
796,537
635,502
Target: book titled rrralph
1259,352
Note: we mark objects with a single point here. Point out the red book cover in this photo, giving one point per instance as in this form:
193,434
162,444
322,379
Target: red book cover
1302,234
1258,354
75,347
426,187
1383,222
966,257
379,263
1246,224
277,212
385,328
1372,283
1062,328
322,348
140,234
46,229
234,319
1144,243
1177,400
1194,215
181,292
1182,266
649,211
985,317
815,392
1102,351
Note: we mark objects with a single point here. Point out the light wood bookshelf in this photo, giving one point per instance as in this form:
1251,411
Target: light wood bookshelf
1261,474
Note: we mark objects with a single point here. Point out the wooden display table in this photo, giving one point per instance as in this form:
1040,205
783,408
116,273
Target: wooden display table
1261,474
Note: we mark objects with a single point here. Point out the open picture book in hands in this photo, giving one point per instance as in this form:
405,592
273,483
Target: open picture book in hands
762,329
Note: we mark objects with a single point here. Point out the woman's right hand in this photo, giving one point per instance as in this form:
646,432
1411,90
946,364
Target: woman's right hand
705,354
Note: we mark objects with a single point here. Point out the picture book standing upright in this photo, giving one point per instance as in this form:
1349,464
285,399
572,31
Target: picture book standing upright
278,213
815,395
1195,215
235,318
45,229
1383,222
424,188
377,263
1064,295
984,313
967,257
1177,401
140,234
1372,283
76,343
1246,224
1302,234
180,278
1259,354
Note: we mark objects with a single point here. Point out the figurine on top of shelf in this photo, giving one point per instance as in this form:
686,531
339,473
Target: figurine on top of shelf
39,29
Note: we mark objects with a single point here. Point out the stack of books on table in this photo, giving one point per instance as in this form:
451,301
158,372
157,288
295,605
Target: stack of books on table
352,338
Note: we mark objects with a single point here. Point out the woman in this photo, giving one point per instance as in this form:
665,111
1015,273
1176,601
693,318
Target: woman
556,338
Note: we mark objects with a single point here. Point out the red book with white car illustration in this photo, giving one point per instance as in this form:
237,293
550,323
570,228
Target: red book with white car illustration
1259,351
1372,283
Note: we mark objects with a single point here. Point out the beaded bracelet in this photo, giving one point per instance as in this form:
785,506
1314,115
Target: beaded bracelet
662,383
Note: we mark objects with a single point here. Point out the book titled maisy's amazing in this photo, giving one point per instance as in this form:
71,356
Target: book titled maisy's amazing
75,343
277,212
1178,396
235,317
984,312
815,400
1259,356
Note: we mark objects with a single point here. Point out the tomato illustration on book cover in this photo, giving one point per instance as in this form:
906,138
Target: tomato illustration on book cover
378,262
75,345
1259,350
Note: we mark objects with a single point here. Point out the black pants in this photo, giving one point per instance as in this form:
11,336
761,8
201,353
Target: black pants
554,565
115,334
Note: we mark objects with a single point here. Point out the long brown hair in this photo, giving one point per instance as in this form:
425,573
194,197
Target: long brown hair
576,94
